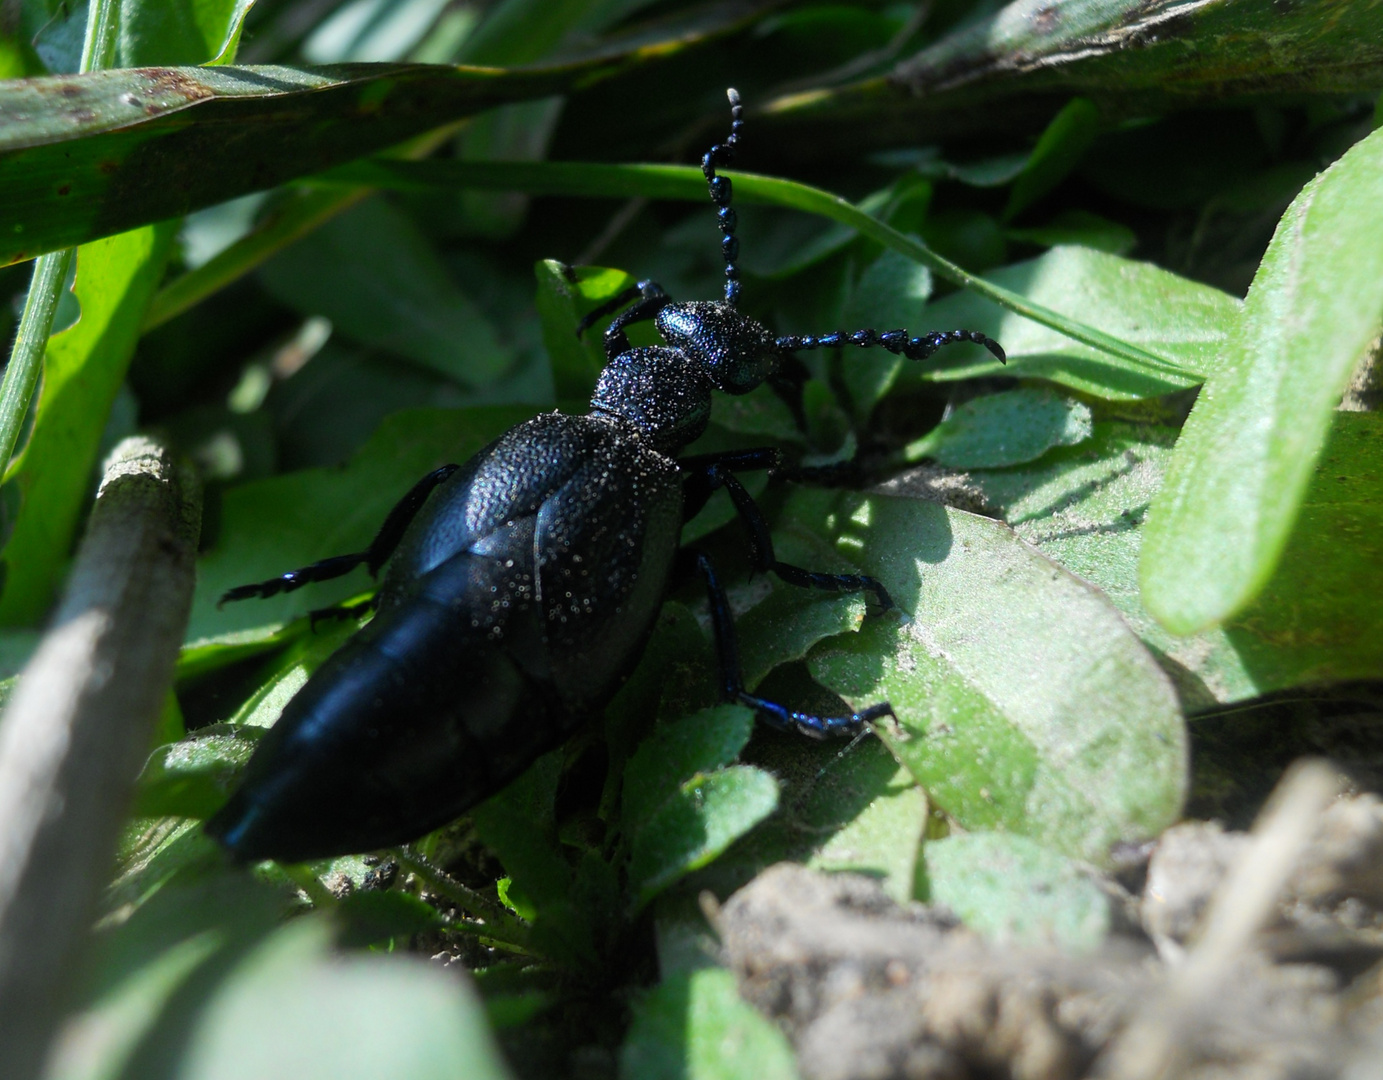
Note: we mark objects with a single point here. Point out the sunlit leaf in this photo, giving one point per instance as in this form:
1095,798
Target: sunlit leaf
1004,429
83,369
707,813
1027,705
697,1027
1244,460
1016,891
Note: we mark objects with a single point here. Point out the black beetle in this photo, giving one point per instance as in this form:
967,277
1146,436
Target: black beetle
521,587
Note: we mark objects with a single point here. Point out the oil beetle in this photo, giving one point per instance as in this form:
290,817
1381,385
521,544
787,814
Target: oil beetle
521,587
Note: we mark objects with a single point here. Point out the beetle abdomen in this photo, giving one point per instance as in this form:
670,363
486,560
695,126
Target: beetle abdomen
407,726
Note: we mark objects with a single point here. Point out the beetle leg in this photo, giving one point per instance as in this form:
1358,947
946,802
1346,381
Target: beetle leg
651,299
381,547
341,611
405,510
732,680
654,300
717,472
701,473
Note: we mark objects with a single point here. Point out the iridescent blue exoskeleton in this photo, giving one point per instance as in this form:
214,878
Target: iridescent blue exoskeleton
520,588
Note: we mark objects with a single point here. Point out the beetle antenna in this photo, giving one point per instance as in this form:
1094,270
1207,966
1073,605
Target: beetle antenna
895,341
721,191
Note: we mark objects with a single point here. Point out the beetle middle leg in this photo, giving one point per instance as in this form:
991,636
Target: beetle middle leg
713,471
375,556
732,679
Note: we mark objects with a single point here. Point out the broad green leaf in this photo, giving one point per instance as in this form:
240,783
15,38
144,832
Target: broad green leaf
675,752
891,294
790,620
1138,302
1027,705
1020,66
1130,360
83,369
695,1026
1016,891
179,32
86,156
1315,622
374,274
193,777
291,1009
1079,227
519,826
844,807
375,917
565,295
707,814
1244,460
151,968
676,665
1057,152
274,525
1008,428
760,414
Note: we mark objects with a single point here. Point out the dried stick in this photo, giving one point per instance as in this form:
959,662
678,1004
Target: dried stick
77,731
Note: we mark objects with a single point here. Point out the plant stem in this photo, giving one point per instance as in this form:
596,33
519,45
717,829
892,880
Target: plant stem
50,271
26,358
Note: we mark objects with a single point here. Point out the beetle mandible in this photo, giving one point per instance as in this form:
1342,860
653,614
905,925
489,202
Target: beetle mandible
520,588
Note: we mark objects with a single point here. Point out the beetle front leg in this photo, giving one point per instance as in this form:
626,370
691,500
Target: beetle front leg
375,556
732,680
651,299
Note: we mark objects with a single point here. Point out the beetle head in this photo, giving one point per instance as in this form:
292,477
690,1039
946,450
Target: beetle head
735,352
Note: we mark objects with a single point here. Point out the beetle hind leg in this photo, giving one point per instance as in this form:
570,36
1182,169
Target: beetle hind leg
732,679
342,611
375,556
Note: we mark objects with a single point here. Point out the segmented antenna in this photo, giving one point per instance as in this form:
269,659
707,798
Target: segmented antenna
721,191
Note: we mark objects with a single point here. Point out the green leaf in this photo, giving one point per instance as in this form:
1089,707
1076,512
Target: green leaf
565,295
83,369
790,620
1005,69
682,182
87,156
375,917
378,279
704,817
1016,891
175,932
695,1026
519,826
274,525
1027,705
1315,622
193,777
1008,428
1057,152
179,32
675,752
891,293
1079,227
1172,316
843,808
1245,457
291,1009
